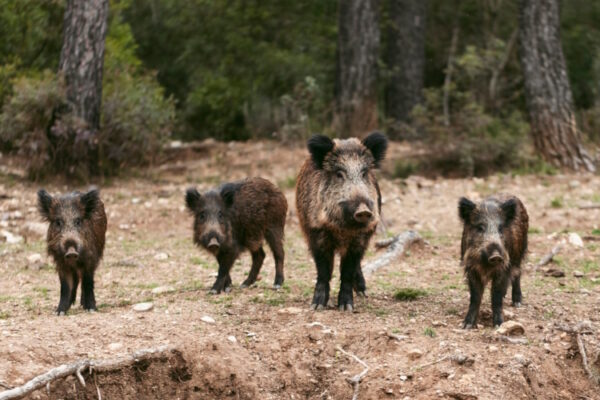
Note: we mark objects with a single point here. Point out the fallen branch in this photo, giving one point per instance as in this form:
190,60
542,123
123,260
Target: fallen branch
76,368
578,330
548,257
589,207
512,340
355,380
395,246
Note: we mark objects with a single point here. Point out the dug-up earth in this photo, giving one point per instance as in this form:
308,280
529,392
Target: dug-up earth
257,343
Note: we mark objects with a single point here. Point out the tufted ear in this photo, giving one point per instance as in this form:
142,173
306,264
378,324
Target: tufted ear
192,199
44,203
465,208
377,143
319,146
228,192
90,201
509,208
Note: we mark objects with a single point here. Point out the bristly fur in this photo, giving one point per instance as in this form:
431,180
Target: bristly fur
497,224
333,183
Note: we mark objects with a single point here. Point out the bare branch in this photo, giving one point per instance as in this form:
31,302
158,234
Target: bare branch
355,380
395,246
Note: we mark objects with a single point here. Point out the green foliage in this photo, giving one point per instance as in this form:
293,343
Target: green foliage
409,294
430,332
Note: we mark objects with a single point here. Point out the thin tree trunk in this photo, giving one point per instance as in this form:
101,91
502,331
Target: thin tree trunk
82,57
405,57
358,47
547,89
449,72
493,87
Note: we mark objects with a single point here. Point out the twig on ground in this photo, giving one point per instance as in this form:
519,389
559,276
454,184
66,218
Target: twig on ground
395,246
548,257
582,328
355,380
4,385
76,368
589,207
397,337
512,340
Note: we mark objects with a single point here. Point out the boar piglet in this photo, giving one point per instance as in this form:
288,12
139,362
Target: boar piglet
494,243
236,217
76,234
339,203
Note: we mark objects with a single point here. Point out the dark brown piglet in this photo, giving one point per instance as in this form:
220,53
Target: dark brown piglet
236,217
75,241
494,243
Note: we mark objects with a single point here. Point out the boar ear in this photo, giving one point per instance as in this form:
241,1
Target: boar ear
377,143
509,208
228,192
192,199
44,203
465,208
319,146
90,201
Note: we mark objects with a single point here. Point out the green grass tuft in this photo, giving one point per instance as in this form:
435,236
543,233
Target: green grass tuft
409,294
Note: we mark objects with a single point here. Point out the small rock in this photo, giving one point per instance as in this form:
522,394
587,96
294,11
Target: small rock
415,354
511,328
493,349
575,239
290,310
207,319
578,274
520,358
124,227
437,324
554,272
10,238
547,348
115,346
161,256
143,307
508,315
573,184
389,391
232,339
163,289
34,258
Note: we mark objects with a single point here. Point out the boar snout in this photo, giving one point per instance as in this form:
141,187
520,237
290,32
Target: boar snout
213,245
212,242
71,250
493,255
363,214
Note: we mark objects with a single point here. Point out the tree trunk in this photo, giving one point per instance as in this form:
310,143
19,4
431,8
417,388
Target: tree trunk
82,57
547,88
405,57
356,84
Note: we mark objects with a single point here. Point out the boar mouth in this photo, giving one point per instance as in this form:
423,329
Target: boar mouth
72,255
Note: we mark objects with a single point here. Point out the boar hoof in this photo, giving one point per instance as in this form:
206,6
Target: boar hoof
517,304
362,294
468,326
61,313
346,307
227,289
213,291
317,307
276,286
91,310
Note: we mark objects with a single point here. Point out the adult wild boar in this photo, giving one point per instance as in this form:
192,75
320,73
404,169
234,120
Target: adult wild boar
75,241
240,216
339,204
493,245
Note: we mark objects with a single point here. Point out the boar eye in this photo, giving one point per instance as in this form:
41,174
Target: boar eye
77,222
202,216
365,173
220,216
339,173
58,223
481,228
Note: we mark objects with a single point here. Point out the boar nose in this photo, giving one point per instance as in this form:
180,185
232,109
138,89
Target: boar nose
213,245
495,257
71,254
362,213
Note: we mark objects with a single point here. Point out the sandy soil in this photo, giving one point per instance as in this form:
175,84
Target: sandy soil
269,345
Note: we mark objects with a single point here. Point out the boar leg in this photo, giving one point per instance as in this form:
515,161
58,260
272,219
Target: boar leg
517,296
223,281
476,291
66,286
74,290
349,266
275,240
499,287
258,257
88,300
360,286
322,251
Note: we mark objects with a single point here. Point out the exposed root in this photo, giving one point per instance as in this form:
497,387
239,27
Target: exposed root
548,257
582,328
395,246
76,368
355,380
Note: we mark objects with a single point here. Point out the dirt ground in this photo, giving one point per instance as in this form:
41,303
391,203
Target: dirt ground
267,344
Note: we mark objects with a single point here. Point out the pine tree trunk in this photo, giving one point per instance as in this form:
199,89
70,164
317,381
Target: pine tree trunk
405,57
547,88
356,84
82,57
